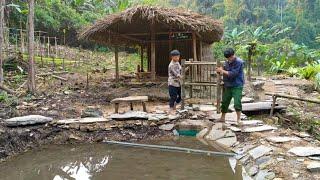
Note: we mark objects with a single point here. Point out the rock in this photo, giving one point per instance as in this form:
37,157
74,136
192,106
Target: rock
207,107
257,85
314,166
305,151
202,133
300,160
259,151
87,120
302,134
245,159
166,127
245,175
295,175
281,139
130,115
27,120
53,113
279,159
228,142
175,132
91,112
233,164
173,117
196,108
244,149
74,137
157,117
160,112
215,134
253,170
316,158
265,175
44,108
260,128
194,124
252,123
184,111
234,129
194,117
230,117
247,100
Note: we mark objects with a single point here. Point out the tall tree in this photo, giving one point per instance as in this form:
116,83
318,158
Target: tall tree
31,70
2,5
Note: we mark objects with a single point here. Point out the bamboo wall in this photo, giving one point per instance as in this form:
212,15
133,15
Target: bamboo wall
185,48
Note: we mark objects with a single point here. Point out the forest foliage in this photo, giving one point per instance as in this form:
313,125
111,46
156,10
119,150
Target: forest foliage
287,32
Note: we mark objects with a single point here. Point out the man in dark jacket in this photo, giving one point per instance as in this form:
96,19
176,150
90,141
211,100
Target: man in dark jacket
233,78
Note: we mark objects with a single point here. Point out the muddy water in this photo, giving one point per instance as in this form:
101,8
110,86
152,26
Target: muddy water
102,161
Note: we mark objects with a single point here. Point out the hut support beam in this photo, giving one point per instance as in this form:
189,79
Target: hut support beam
141,53
194,46
116,57
153,52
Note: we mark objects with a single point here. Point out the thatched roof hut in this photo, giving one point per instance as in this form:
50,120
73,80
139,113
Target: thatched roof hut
159,30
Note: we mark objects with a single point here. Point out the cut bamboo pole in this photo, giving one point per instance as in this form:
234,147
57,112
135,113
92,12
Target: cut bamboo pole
182,81
116,57
153,51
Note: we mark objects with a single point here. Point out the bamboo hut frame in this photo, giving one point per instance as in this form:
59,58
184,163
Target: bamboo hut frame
151,27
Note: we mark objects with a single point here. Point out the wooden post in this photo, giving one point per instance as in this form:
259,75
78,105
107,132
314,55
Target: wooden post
31,70
2,3
48,45
194,46
274,99
170,45
249,64
219,89
21,38
55,47
153,51
194,50
116,57
183,73
141,54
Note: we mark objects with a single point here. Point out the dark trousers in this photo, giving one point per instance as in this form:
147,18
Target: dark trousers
175,95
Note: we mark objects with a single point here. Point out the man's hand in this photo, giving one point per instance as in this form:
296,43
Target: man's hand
219,70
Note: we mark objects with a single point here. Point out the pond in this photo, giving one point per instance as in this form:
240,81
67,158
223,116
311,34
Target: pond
104,161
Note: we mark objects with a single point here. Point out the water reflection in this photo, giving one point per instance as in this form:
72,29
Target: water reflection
101,161
83,171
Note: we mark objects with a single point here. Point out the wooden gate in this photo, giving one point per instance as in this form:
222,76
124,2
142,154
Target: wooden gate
201,83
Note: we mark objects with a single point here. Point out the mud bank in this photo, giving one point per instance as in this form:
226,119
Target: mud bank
17,140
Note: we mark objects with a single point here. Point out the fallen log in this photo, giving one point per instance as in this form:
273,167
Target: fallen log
7,89
58,77
52,73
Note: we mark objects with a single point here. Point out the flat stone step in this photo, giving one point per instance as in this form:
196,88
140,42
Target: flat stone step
282,139
27,120
259,129
305,151
88,120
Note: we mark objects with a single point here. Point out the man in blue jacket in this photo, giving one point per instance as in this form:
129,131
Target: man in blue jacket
233,78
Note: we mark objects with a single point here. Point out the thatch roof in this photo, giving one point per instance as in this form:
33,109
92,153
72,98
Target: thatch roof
117,28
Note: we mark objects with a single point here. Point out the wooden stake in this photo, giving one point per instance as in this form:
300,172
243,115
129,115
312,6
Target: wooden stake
194,46
2,3
182,84
31,71
141,54
153,52
219,89
116,49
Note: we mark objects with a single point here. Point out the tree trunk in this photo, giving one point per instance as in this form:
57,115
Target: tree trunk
31,73
2,4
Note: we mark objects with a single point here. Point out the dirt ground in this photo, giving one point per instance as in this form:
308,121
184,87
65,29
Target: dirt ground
67,99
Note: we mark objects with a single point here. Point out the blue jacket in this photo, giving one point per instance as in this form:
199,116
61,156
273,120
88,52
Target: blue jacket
235,78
